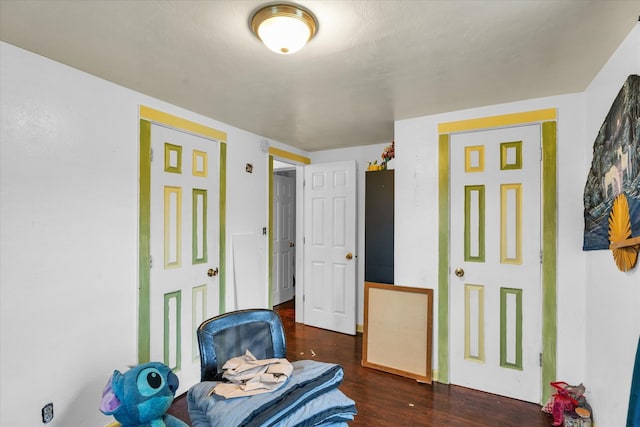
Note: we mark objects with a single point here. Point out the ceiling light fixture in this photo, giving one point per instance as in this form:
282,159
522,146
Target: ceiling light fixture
284,28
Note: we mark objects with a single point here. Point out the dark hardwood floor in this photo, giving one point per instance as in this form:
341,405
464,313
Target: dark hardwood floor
384,399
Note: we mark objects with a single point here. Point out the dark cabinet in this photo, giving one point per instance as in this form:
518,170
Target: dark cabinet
378,228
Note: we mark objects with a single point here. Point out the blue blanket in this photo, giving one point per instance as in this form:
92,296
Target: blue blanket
310,397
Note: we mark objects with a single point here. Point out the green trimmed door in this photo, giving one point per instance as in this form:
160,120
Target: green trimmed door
184,230
495,261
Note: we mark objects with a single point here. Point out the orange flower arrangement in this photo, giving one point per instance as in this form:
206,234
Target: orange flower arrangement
389,152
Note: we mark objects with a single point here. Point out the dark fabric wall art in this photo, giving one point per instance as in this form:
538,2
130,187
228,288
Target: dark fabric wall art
615,167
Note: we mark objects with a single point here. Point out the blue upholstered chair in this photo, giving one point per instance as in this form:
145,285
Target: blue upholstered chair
231,334
310,396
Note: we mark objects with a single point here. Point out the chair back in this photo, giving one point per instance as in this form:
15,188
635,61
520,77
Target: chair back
231,334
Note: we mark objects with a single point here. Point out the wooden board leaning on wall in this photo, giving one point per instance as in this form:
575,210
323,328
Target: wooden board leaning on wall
398,330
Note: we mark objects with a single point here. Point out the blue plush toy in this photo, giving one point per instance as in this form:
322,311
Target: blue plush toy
141,396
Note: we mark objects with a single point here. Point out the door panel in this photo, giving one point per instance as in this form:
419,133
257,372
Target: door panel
329,249
184,247
495,275
283,238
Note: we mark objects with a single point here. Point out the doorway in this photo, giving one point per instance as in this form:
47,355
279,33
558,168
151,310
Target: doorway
283,242
324,212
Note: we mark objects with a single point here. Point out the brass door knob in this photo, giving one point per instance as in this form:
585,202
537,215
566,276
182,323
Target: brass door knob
291,244
349,256
211,272
459,272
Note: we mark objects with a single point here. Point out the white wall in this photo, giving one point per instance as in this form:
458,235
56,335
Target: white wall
363,155
69,229
613,297
247,197
598,314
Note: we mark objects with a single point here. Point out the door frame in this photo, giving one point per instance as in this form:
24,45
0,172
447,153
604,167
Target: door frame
275,288
547,120
299,161
147,116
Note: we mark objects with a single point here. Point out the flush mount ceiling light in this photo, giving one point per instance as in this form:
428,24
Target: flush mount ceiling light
284,28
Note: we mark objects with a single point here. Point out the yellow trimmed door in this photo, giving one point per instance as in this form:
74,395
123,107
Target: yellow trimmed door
495,261
183,288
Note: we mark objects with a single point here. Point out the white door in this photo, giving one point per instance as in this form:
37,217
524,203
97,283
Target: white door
330,246
184,247
495,261
284,238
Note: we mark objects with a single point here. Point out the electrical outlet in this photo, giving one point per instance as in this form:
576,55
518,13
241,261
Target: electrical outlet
47,413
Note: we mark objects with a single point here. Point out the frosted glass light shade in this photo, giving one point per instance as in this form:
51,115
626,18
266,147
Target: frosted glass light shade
284,29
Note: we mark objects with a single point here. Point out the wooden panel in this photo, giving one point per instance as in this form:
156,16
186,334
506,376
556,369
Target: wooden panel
172,227
199,226
198,315
172,158
474,223
398,328
511,328
339,290
474,158
474,322
511,223
318,237
173,330
199,163
511,155
339,215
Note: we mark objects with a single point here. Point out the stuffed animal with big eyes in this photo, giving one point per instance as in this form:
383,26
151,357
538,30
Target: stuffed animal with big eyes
141,396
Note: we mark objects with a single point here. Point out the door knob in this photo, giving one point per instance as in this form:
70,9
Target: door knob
211,272
459,272
291,244
349,256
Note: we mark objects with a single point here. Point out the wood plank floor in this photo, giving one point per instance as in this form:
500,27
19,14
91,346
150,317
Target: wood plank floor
384,399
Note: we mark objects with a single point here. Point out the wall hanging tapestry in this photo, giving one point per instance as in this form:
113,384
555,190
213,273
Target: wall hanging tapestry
615,168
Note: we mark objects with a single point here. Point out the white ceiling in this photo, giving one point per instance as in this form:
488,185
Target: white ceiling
372,62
